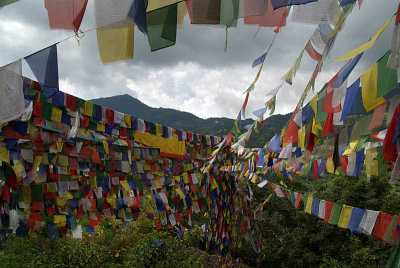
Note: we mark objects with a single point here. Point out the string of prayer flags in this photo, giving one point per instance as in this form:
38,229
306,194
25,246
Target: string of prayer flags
161,26
44,65
261,59
288,77
357,51
115,170
11,95
115,44
376,223
65,14
283,3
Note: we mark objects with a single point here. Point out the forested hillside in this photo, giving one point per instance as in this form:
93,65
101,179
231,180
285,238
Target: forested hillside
186,121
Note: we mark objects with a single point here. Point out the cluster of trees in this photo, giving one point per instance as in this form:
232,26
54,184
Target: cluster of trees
292,238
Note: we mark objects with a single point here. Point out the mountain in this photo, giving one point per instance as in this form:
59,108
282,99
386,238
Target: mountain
186,121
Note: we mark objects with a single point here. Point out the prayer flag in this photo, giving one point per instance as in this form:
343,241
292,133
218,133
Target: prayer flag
353,53
272,18
44,65
115,44
161,26
283,3
12,103
65,14
369,88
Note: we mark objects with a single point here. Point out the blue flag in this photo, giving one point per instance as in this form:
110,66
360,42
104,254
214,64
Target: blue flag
44,65
345,72
350,99
261,158
259,60
346,2
283,3
275,143
138,14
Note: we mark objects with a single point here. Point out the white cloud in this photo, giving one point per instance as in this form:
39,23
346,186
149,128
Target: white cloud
195,75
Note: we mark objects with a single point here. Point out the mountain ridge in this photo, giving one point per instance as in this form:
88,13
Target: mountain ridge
218,126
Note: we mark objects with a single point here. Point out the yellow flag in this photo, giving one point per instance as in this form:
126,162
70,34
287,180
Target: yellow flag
330,167
352,54
61,202
352,147
313,104
88,108
302,137
60,219
125,185
128,121
369,88
115,44
180,193
56,114
101,127
51,187
4,154
345,215
309,204
105,145
371,162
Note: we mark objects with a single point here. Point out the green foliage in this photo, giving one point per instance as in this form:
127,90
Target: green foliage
292,238
113,246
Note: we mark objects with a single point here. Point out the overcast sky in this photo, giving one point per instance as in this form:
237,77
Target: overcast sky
195,75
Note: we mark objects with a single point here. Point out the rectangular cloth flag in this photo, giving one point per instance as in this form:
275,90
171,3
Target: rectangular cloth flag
12,103
44,65
322,11
161,26
65,14
113,13
367,223
115,44
272,18
369,88
204,12
283,3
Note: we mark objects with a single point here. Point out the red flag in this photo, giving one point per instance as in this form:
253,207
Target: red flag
65,14
312,52
389,148
328,125
291,134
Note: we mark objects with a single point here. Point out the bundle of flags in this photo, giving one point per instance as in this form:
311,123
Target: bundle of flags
64,159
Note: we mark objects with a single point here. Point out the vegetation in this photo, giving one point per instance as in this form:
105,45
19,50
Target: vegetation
292,238
113,246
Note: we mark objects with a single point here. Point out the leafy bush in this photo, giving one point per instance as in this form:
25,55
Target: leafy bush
113,246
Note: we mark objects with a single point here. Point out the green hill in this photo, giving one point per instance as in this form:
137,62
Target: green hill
183,120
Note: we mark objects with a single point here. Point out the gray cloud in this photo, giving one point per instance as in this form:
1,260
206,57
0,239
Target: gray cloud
195,75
